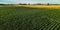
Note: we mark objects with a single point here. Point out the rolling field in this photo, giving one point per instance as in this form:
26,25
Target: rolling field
27,18
42,6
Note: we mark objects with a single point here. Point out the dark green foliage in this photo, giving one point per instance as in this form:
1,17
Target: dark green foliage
23,18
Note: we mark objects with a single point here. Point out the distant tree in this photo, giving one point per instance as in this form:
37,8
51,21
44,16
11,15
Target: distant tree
2,4
47,3
24,4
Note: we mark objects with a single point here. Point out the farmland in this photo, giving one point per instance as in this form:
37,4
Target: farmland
28,18
42,6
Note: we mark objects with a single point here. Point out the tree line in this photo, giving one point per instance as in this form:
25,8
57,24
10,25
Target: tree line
31,4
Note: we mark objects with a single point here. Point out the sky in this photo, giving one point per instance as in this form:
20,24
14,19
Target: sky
29,1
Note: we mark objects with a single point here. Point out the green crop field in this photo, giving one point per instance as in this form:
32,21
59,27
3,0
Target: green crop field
25,18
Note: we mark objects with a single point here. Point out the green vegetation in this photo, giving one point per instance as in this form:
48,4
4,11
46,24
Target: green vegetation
23,18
